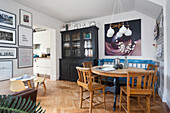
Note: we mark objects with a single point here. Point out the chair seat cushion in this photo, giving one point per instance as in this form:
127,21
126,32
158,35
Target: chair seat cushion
136,91
97,86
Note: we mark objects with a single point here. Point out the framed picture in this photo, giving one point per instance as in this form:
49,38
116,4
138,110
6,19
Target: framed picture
8,53
6,70
25,57
25,36
7,19
125,45
7,36
25,18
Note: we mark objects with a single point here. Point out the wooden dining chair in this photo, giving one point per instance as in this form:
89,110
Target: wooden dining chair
17,86
85,82
40,81
89,65
155,78
136,89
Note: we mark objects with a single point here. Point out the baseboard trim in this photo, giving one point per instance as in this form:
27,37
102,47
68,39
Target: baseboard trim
160,93
168,101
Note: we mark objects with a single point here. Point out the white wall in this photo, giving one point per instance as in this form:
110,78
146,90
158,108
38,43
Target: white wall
147,30
38,19
167,53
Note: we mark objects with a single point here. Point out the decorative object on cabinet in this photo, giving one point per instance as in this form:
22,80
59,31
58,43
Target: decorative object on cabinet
72,26
125,45
8,53
25,18
25,57
7,36
121,26
7,19
6,70
80,45
25,36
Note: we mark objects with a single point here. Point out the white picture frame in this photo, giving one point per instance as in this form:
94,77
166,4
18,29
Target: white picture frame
7,19
6,70
7,36
25,18
25,36
8,52
25,57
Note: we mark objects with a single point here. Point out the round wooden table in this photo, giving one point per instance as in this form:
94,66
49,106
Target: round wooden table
115,74
27,79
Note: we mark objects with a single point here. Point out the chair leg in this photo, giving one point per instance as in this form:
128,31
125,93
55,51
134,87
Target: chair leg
104,98
44,87
128,104
91,101
148,103
37,85
81,96
138,101
120,104
153,93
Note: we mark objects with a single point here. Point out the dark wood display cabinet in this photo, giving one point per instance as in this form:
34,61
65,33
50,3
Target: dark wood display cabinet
78,46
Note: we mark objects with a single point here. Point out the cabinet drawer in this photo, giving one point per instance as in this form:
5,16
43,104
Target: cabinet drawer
43,62
42,70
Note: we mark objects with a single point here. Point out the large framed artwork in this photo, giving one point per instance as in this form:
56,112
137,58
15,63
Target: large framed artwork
6,70
7,36
25,36
8,53
25,18
125,45
25,57
7,19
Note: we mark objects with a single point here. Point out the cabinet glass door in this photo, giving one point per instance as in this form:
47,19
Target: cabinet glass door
66,45
76,45
88,44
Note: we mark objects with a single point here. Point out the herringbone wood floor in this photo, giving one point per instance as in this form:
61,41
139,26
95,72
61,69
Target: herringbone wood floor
63,97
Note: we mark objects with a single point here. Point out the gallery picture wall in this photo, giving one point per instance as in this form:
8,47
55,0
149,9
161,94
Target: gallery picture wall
23,52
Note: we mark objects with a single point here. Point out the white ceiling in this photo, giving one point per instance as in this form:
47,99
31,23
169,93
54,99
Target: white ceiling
76,10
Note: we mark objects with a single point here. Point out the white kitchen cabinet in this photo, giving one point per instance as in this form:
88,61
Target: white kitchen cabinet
43,38
42,66
37,38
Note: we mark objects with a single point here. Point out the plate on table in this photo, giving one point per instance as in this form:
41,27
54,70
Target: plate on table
108,69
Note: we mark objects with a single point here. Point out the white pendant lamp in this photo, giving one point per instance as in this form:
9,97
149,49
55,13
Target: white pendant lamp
110,32
119,34
123,29
128,32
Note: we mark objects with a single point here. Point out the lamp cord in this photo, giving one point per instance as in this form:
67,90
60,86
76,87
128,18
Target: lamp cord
113,11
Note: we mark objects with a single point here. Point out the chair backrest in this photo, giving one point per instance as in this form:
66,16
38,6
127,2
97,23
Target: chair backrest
17,86
155,68
87,64
143,83
85,79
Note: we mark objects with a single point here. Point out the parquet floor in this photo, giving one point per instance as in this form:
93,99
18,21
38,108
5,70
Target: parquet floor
63,97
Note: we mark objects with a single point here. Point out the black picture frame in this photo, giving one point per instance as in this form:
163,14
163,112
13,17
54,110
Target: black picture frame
8,49
20,21
21,45
11,69
20,67
8,26
7,29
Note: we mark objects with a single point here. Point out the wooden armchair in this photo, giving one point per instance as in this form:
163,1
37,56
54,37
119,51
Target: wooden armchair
85,81
136,89
153,67
89,65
